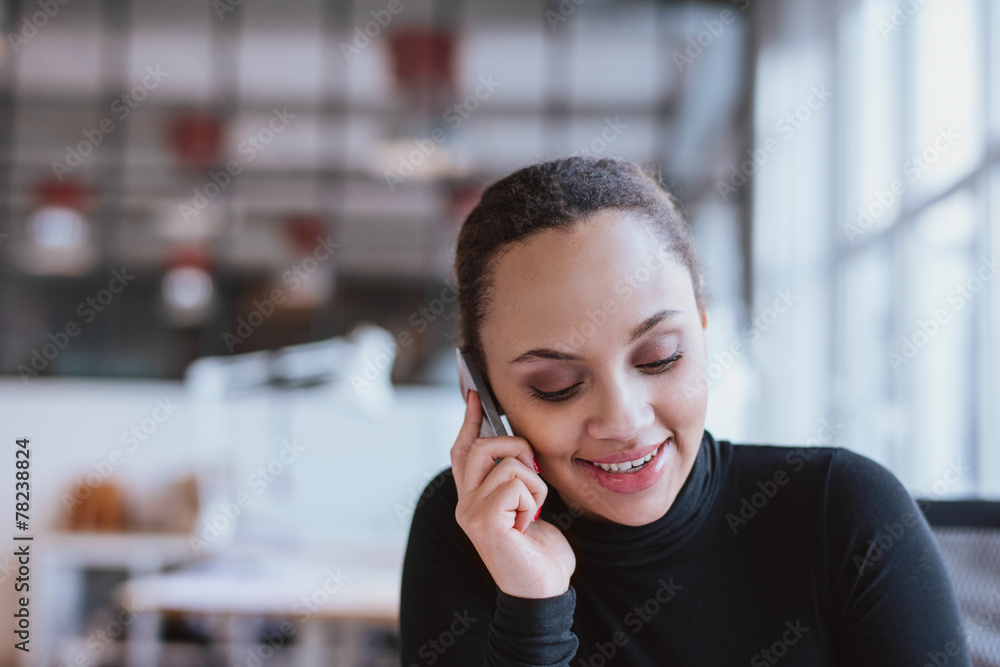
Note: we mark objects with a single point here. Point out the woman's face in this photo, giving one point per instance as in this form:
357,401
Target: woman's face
578,341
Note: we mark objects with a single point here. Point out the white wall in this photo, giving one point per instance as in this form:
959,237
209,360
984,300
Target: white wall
356,480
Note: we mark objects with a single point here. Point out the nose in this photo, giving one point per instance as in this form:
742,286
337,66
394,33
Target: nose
620,411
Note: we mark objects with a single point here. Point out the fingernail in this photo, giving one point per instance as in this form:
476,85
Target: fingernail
535,462
537,514
468,392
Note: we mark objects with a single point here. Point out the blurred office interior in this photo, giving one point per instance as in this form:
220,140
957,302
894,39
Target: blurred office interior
226,311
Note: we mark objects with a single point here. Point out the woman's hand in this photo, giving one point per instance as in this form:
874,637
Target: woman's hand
497,505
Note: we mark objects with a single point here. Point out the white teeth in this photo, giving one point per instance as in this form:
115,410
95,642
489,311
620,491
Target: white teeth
627,465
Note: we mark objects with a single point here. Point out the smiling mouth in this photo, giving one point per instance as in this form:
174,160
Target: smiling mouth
626,467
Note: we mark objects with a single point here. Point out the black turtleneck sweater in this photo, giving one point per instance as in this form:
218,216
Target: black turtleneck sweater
768,556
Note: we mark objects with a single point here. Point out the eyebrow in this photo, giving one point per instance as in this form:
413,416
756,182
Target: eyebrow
637,333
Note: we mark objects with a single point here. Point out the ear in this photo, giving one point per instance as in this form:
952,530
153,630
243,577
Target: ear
704,321
704,315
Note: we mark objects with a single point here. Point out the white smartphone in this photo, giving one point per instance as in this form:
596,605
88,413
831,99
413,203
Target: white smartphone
469,377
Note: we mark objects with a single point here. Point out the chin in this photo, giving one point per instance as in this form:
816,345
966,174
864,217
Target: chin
639,498
636,512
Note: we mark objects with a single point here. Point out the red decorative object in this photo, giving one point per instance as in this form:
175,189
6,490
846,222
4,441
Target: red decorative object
190,254
196,138
68,193
423,58
306,232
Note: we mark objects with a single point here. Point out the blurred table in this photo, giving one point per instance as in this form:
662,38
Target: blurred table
63,561
313,597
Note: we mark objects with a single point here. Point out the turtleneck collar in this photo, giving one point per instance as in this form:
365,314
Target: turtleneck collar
619,544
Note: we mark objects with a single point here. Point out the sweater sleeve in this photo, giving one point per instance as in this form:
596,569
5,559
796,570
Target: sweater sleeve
451,612
892,601
533,631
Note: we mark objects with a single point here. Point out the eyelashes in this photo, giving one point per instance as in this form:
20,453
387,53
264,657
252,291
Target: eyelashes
555,395
654,367
662,364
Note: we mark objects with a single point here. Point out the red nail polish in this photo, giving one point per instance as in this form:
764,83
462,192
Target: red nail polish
537,514
468,392
535,462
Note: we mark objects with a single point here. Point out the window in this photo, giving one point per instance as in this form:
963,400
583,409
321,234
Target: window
886,209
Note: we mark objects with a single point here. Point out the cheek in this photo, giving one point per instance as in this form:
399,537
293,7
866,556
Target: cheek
552,433
685,394
692,383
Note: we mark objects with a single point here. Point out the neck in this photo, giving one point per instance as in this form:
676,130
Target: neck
578,510
601,540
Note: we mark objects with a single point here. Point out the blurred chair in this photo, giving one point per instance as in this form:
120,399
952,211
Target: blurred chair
276,554
968,532
352,360
246,404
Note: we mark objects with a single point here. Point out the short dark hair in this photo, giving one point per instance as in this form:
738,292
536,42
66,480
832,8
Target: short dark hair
557,195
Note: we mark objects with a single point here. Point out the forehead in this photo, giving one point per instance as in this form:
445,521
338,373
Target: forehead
558,280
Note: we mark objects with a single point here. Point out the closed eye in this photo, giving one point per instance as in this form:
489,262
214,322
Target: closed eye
555,395
662,364
562,394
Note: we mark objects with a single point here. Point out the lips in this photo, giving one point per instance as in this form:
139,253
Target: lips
633,481
628,455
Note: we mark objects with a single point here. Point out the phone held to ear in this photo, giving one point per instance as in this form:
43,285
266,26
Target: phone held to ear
469,377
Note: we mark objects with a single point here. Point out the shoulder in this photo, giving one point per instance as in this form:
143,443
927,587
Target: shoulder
436,543
854,500
766,488
806,467
441,486
845,479
882,560
854,473
864,498
748,455
441,573
832,485
434,508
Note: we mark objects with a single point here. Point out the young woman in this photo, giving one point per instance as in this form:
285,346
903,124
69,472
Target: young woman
612,528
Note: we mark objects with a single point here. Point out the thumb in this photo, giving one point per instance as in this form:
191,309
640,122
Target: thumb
466,435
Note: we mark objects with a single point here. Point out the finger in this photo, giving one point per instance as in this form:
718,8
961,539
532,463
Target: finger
462,387
483,454
509,469
514,498
466,436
